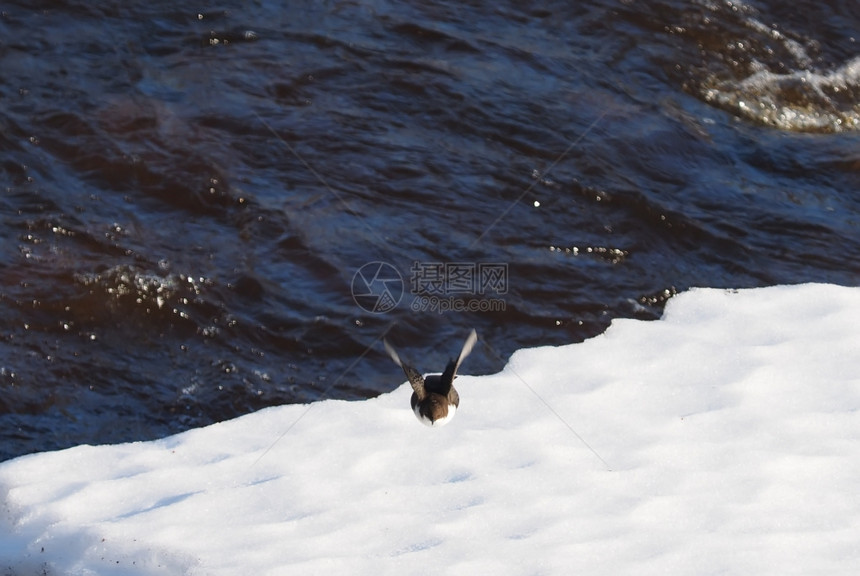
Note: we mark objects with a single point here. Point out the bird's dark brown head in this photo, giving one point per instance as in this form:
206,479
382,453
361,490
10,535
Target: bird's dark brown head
435,407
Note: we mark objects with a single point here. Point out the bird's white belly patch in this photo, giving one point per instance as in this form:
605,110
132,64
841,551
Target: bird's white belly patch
440,422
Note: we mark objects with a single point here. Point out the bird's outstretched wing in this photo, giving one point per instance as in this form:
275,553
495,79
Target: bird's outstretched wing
414,376
451,369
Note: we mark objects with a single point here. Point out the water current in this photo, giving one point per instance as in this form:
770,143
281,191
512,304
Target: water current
208,210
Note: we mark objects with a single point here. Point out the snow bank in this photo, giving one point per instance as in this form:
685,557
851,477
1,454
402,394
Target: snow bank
721,439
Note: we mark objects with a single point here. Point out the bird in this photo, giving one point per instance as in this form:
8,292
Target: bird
434,398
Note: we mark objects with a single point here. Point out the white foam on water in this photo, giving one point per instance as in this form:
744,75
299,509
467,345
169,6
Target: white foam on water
800,97
802,100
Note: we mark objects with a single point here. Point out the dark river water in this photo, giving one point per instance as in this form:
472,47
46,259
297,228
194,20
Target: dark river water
213,209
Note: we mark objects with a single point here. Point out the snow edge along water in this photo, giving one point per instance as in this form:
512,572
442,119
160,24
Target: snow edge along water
728,425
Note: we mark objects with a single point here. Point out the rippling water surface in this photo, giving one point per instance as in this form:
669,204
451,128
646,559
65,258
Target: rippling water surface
187,196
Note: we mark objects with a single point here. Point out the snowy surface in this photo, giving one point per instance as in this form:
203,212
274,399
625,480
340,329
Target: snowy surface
724,438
